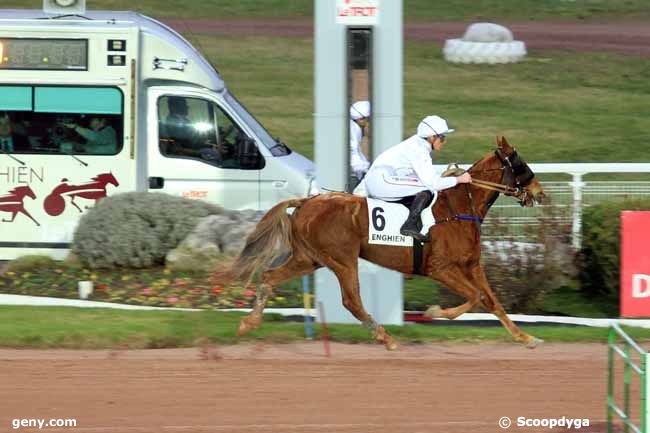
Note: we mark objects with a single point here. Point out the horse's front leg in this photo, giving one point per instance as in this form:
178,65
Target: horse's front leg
75,204
436,312
492,305
24,211
456,280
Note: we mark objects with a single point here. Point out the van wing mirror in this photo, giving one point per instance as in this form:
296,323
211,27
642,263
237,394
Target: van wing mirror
250,157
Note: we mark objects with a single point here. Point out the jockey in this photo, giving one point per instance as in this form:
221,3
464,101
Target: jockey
359,117
406,170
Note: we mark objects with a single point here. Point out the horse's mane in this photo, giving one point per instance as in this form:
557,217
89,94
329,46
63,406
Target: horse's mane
101,176
20,189
487,157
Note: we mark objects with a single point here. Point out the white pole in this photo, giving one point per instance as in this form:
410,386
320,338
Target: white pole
577,186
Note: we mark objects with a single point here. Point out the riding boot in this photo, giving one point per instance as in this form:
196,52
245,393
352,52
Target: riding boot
413,223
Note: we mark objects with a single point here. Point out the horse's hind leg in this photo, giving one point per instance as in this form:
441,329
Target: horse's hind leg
295,266
348,277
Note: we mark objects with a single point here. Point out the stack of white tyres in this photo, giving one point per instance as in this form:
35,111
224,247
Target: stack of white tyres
460,51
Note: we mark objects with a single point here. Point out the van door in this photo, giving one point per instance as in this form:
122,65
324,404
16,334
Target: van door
197,150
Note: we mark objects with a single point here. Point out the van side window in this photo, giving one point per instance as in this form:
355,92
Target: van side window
61,120
199,129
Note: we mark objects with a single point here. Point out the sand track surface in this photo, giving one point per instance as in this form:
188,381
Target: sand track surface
283,388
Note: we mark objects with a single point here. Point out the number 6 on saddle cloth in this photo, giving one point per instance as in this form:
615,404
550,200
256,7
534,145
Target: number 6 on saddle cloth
386,219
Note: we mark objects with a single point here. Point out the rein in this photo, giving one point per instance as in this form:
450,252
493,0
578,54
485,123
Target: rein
518,167
519,193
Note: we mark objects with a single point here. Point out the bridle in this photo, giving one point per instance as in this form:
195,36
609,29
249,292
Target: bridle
517,169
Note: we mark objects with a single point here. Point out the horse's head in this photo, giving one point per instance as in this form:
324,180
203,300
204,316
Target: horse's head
518,175
22,191
107,178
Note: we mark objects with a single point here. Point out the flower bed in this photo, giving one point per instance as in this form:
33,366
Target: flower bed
154,287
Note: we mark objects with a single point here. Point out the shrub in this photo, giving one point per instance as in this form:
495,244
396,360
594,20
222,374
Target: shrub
136,229
601,240
32,263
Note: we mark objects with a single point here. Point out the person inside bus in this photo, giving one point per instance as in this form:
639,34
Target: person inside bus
9,140
100,136
177,127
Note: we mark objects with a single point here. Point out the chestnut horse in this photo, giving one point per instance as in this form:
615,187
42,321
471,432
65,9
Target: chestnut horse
331,230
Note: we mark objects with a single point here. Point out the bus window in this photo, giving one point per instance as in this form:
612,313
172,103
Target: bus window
61,120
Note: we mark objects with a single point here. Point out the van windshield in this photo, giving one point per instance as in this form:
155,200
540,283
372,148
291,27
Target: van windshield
276,147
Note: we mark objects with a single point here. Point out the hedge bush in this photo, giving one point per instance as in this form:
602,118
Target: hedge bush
601,241
136,229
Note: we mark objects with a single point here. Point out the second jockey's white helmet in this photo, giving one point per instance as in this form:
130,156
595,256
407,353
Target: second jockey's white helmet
359,110
433,125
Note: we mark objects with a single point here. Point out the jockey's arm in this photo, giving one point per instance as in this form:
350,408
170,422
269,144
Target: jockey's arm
422,165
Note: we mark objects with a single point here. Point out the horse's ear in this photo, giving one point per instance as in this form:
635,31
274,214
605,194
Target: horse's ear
502,143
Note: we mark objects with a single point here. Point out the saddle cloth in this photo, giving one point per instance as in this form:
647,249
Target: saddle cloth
386,218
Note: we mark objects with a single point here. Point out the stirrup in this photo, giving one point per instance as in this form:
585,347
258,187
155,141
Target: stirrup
415,234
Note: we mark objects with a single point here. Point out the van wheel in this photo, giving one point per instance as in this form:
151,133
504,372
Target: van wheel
54,204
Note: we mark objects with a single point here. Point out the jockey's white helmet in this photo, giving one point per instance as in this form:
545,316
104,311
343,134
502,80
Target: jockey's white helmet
433,125
359,110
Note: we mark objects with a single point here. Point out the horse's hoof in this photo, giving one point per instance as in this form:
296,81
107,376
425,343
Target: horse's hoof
433,312
391,346
243,328
534,342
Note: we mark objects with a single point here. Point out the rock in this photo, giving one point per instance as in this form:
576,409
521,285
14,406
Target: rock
215,238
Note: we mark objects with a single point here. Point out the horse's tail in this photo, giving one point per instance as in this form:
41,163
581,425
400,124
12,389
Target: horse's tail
269,244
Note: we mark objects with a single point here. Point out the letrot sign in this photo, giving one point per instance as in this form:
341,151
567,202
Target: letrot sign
357,12
635,264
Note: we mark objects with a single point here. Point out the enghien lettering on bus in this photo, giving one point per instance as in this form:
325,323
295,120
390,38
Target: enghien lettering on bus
388,238
21,174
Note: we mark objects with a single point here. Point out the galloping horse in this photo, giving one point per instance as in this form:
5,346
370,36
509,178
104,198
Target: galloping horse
331,230
13,203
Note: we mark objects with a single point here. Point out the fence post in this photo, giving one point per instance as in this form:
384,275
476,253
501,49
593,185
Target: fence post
627,378
645,410
577,185
611,340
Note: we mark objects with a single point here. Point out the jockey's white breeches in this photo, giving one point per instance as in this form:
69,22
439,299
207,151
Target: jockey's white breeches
384,184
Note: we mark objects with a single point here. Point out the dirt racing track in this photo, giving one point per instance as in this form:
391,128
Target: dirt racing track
286,388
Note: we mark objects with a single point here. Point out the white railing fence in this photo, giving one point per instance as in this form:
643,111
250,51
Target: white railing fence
567,197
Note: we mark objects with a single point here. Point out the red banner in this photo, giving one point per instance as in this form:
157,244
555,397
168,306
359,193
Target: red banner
635,264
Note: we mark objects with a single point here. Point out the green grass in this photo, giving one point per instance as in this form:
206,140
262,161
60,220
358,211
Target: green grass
554,106
79,328
414,10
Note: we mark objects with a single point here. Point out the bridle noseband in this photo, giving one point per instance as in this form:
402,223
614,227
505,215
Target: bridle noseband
521,173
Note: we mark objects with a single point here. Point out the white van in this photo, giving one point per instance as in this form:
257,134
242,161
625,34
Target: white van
109,102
